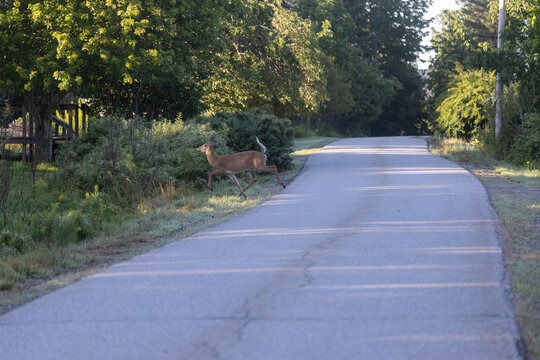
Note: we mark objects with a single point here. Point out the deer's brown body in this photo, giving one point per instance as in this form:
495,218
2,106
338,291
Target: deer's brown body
229,165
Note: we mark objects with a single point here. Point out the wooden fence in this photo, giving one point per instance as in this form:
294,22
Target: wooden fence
69,120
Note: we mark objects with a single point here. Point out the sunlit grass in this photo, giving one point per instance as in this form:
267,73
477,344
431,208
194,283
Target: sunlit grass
310,143
460,150
521,175
519,217
456,149
306,152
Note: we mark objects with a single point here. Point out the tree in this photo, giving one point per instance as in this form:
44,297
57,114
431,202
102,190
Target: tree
127,56
465,111
499,87
270,56
140,58
472,31
464,33
451,49
30,68
358,92
479,22
390,32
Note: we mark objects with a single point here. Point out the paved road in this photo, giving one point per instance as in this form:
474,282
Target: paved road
378,250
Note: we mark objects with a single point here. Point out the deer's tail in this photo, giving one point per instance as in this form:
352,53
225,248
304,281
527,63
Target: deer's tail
263,148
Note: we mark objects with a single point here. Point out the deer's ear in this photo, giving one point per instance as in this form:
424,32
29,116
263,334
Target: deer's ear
212,140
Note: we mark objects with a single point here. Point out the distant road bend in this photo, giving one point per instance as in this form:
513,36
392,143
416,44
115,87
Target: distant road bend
377,250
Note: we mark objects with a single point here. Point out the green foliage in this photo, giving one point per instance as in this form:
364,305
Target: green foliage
239,129
158,59
467,43
525,149
465,110
131,159
450,46
358,91
389,33
270,56
12,242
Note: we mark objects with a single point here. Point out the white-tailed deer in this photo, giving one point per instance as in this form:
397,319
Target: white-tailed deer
250,161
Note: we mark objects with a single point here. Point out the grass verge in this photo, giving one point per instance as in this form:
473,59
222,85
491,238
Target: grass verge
175,214
515,195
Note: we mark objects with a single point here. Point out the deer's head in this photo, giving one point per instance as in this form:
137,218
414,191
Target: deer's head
208,146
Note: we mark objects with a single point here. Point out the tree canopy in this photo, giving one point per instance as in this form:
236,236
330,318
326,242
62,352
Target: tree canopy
466,51
349,63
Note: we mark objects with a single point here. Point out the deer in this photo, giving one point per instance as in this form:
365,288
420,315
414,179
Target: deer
252,162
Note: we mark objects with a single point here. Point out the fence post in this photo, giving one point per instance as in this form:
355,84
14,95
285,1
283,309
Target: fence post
24,123
75,110
84,109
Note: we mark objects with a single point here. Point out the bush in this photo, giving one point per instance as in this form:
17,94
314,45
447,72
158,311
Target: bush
239,130
72,227
12,242
131,159
465,110
526,146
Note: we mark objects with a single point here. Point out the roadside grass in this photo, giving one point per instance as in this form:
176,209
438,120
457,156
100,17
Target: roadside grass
175,213
461,151
526,176
515,195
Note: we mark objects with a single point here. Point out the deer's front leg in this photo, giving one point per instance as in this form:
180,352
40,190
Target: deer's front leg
212,173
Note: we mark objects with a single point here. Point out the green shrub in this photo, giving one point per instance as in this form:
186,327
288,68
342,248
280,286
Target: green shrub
239,130
12,242
526,146
73,227
465,110
132,159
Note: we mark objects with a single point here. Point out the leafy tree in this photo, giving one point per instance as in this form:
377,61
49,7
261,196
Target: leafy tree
139,57
389,32
30,68
450,46
269,56
480,20
357,90
464,111
127,56
464,32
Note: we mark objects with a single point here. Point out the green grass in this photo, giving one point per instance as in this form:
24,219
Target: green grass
521,175
308,143
459,150
520,217
174,213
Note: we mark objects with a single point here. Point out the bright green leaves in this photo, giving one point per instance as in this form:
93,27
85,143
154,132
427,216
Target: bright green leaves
464,111
464,46
270,56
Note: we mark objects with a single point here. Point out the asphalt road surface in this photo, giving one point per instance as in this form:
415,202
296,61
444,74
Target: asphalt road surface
377,250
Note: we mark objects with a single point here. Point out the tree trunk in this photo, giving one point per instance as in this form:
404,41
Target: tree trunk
41,109
499,88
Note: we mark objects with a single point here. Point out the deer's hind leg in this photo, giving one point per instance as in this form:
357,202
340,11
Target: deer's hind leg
273,168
